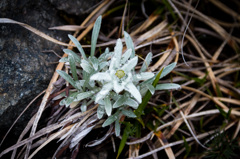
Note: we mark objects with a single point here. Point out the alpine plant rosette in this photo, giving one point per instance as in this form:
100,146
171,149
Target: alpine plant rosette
110,80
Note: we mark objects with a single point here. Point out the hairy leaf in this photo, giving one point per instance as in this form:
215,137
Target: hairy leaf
117,128
94,62
67,78
146,62
167,86
129,113
73,67
86,66
111,119
100,111
76,42
75,56
132,103
64,59
168,69
83,95
108,105
126,56
129,43
95,33
120,101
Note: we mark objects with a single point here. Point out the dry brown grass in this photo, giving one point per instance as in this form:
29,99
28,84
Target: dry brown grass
209,80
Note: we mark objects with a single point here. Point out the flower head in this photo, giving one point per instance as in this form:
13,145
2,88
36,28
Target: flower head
121,75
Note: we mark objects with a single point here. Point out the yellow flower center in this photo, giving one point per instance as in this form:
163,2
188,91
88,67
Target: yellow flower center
120,74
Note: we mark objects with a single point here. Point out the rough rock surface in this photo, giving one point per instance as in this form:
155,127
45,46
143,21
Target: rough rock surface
76,7
25,69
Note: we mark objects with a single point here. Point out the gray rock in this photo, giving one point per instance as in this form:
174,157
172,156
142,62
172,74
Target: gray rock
75,7
25,69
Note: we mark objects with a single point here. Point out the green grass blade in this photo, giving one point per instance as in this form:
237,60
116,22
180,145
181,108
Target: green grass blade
125,135
170,9
140,110
161,110
187,148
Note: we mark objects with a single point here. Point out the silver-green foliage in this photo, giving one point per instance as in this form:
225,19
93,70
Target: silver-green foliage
113,84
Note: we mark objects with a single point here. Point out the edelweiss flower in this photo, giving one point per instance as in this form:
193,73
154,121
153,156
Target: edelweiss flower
121,75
